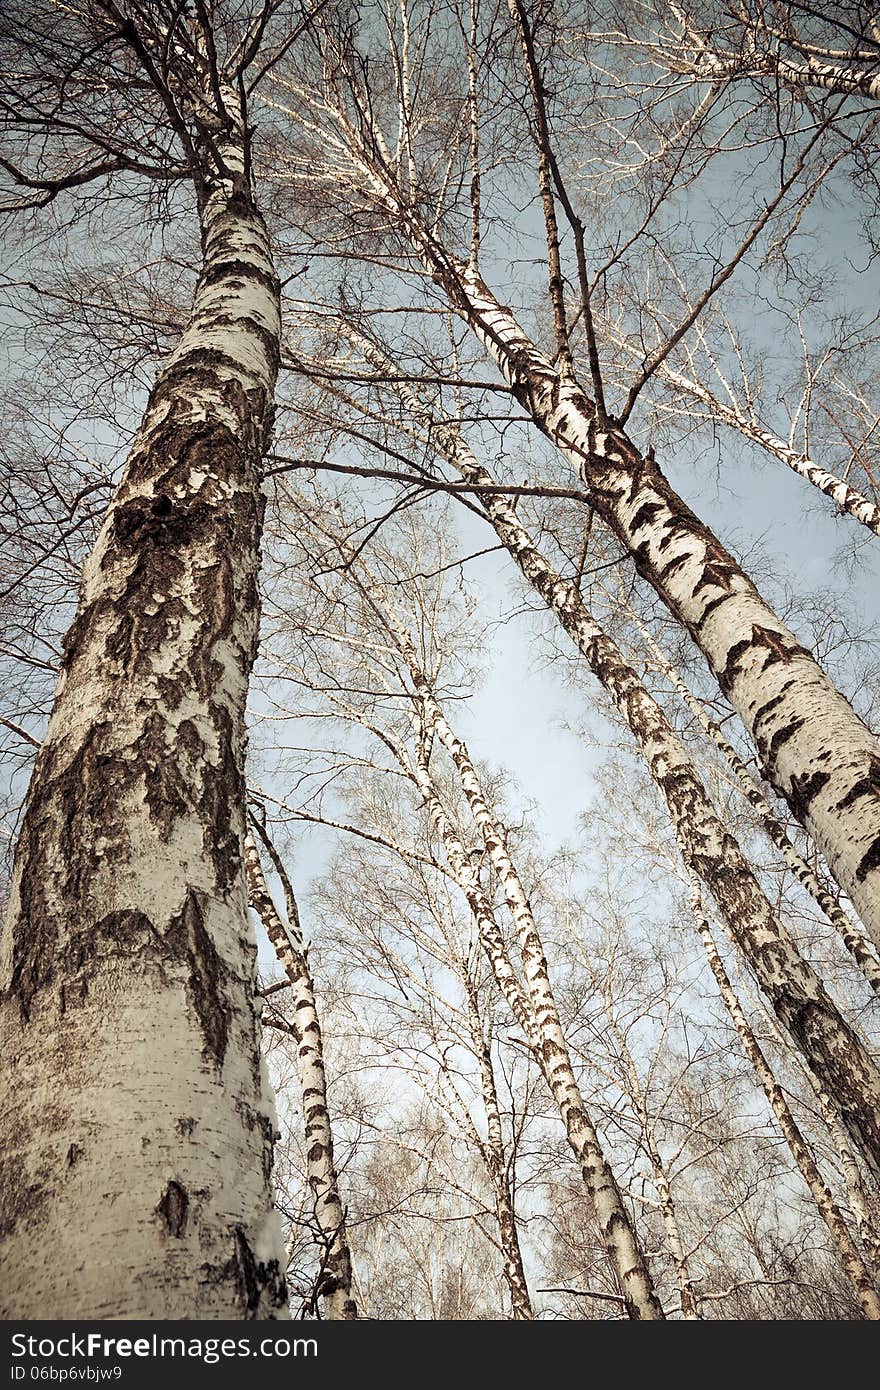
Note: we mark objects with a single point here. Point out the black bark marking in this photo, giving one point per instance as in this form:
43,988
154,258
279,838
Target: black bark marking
188,936
173,1209
20,1200
645,515
868,785
804,789
254,1277
869,861
780,738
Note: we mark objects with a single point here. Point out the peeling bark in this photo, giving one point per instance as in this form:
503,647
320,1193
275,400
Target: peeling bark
143,1122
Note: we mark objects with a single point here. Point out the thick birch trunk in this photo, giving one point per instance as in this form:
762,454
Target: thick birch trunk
813,747
334,1286
850,1256
138,1119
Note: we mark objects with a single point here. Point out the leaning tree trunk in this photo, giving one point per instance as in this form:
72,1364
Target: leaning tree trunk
617,1231
138,1122
852,938
334,1282
845,497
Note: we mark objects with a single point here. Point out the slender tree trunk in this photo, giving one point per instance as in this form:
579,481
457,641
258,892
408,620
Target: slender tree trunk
850,1256
690,1307
138,1122
847,498
547,1042
496,1165
334,1286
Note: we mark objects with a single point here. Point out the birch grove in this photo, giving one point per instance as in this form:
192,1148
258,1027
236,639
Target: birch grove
441,781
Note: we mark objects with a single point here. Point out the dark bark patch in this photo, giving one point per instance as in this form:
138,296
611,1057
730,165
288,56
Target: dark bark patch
234,268
869,861
645,515
189,937
781,737
254,1277
868,785
20,1200
173,1209
803,791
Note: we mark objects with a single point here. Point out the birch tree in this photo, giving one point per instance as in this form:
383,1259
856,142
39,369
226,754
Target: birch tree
128,960
334,1279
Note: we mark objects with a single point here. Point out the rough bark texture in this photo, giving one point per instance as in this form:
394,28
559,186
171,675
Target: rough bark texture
850,935
850,1255
334,1284
139,1122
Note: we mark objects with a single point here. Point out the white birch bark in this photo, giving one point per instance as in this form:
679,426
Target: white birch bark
539,1020
827,77
138,1119
334,1287
850,1255
495,1162
852,938
690,1301
813,747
